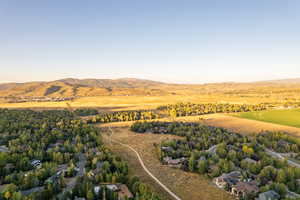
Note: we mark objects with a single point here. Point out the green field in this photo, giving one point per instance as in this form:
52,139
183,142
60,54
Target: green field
289,117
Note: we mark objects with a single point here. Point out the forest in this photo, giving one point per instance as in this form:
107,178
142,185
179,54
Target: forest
215,152
53,155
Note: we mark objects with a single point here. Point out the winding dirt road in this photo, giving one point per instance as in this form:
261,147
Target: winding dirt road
147,171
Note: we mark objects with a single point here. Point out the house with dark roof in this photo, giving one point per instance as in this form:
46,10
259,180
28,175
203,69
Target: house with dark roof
292,195
36,164
269,195
228,180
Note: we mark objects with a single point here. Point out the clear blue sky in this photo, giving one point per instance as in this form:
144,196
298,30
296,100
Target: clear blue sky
168,40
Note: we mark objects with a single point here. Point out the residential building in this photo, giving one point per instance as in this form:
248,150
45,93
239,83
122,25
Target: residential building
269,195
244,189
228,180
36,164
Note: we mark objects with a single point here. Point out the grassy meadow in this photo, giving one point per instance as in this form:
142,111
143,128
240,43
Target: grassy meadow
289,117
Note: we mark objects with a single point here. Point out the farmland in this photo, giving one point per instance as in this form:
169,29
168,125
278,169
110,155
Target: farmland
290,117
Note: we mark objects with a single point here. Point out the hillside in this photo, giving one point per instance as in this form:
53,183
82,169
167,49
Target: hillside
138,87
81,87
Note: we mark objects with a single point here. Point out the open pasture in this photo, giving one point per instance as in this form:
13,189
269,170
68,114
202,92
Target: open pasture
288,117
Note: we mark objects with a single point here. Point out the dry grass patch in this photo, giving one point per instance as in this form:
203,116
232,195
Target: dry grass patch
117,103
247,126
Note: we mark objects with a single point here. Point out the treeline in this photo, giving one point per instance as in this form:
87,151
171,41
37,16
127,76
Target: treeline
124,116
86,112
214,151
176,110
190,109
52,155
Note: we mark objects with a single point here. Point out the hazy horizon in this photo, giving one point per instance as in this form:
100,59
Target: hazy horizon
168,41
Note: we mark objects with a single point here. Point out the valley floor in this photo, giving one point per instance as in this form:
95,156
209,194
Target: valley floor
234,124
117,103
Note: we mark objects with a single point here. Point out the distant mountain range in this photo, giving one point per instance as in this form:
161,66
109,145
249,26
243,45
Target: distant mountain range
128,86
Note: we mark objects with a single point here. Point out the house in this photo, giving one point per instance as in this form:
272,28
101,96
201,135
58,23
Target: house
4,149
36,164
292,195
202,158
97,189
95,151
79,198
173,162
54,178
32,190
61,170
112,187
121,189
228,180
124,192
99,166
243,189
167,149
162,130
269,195
213,149
283,143
249,160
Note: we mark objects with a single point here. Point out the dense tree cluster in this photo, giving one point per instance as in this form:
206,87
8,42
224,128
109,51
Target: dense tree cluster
213,151
50,154
281,143
85,112
123,116
174,110
189,109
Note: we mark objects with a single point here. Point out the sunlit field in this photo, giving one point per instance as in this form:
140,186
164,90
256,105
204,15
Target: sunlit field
290,117
116,103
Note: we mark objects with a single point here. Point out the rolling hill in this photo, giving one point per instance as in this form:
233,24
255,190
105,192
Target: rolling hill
128,87
81,87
